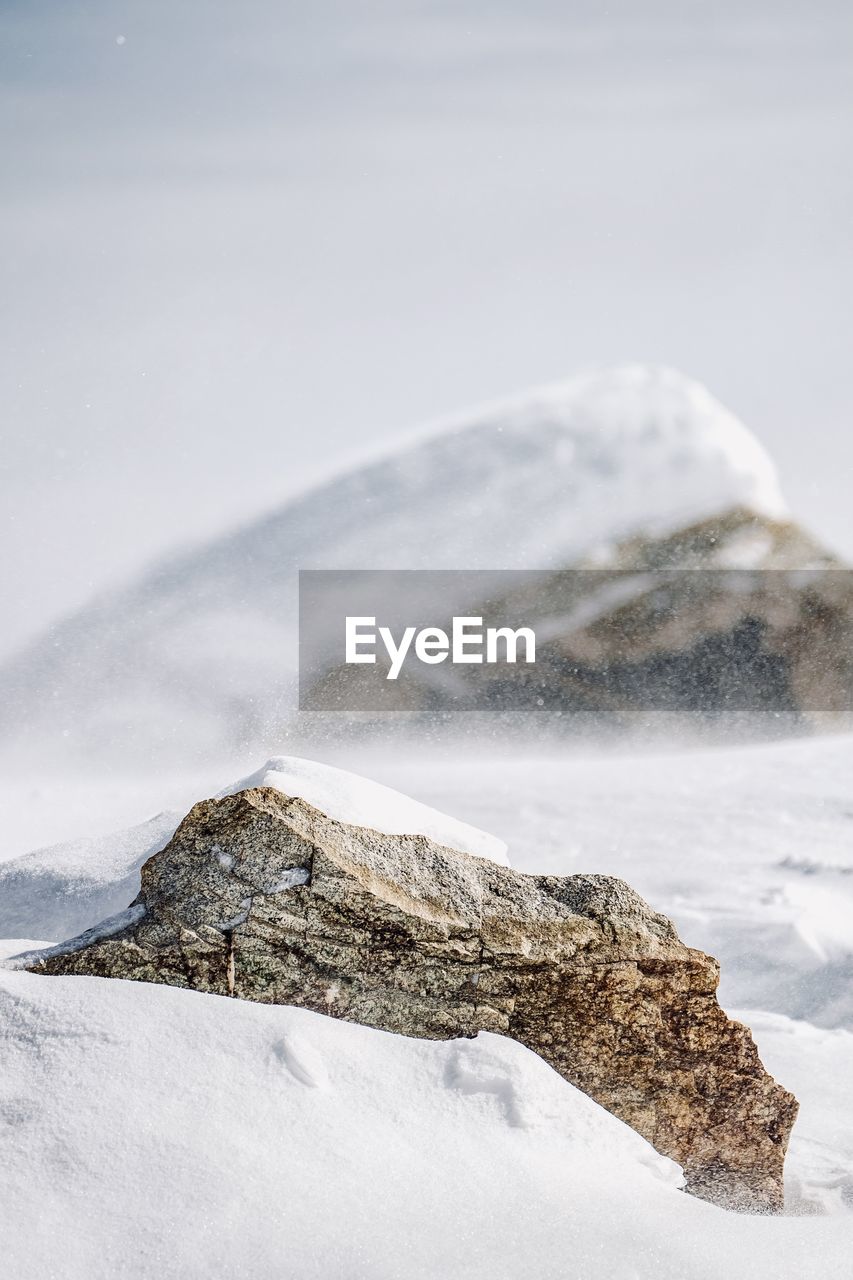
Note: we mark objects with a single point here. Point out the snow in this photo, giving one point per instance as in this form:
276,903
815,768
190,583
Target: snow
817,1065
299,875
157,1132
822,915
59,891
202,649
536,481
350,798
608,454
11,947
149,1130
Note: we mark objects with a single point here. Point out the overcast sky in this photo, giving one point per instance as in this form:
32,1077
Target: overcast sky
239,240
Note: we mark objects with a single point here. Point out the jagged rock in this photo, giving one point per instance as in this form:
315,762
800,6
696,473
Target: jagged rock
262,896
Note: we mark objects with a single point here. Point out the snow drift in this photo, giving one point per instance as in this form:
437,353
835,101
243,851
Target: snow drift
152,1131
348,797
57,892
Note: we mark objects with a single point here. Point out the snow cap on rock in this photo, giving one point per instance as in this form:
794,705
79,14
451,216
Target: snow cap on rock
348,797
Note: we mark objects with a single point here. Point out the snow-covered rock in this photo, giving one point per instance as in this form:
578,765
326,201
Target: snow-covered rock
60,891
201,650
140,1136
265,897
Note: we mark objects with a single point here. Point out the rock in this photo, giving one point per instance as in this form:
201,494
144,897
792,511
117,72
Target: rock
262,896
735,619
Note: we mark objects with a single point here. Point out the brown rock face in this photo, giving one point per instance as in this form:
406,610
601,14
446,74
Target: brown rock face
263,897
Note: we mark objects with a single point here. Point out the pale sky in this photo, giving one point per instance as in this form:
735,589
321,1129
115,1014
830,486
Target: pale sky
239,241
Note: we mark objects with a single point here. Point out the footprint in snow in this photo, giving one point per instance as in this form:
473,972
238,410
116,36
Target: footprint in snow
303,1061
469,1072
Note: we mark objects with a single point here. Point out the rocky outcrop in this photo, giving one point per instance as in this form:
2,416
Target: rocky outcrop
263,897
735,618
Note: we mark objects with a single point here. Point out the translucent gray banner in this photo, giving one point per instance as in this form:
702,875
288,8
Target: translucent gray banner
603,644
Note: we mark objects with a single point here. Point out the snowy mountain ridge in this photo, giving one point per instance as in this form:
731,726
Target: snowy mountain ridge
203,647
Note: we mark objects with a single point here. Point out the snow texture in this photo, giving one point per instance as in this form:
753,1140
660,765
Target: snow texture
169,1133
349,798
59,891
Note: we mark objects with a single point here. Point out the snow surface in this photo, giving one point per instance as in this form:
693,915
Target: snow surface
536,481
59,891
350,798
151,1131
145,1128
817,1066
202,649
